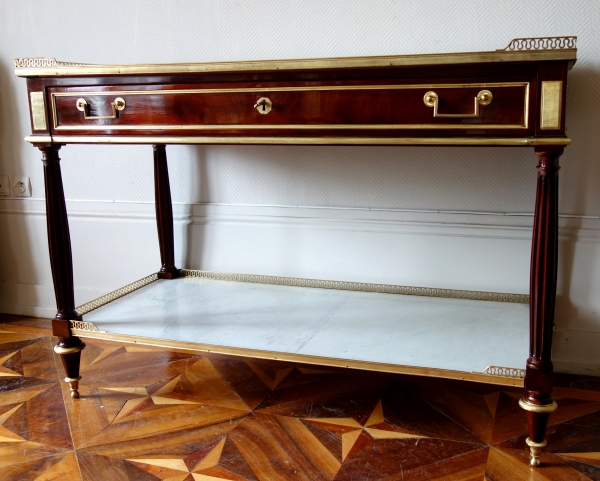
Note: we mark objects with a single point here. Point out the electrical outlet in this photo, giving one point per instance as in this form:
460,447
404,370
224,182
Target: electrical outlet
21,187
4,185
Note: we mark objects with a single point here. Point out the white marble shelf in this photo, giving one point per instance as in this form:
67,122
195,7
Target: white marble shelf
439,333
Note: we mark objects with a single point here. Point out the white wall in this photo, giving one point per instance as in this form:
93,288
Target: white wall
443,217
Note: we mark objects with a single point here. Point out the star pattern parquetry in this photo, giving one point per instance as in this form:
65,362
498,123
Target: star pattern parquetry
149,413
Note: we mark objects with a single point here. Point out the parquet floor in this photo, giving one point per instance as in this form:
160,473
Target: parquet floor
149,413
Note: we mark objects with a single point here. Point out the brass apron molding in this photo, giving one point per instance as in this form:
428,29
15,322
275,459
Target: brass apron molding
125,139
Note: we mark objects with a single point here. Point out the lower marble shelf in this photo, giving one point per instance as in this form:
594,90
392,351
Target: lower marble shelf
442,337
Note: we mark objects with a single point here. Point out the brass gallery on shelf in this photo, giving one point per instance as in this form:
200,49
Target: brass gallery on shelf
513,96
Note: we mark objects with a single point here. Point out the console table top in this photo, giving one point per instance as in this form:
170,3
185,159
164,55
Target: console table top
518,50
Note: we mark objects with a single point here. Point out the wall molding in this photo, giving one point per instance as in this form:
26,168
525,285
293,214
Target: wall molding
221,234
444,223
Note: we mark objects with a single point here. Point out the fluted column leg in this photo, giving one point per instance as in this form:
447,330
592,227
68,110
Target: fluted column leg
537,400
59,242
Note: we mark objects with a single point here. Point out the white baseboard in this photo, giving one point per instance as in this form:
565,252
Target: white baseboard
116,243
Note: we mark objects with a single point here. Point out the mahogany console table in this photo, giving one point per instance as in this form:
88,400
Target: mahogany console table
514,97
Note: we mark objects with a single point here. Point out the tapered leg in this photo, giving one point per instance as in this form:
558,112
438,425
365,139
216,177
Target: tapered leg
537,400
70,353
164,214
59,243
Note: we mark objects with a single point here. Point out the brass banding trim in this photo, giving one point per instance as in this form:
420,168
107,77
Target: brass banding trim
533,444
306,359
295,127
68,350
80,93
73,379
125,139
52,68
537,408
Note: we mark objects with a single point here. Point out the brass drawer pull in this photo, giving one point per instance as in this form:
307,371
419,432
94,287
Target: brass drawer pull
118,104
263,105
484,97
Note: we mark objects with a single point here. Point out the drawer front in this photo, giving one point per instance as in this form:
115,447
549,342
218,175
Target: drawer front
308,108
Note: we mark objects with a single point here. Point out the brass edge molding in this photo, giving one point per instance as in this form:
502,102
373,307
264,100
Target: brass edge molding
111,296
305,359
78,94
358,286
294,127
45,139
68,69
504,371
537,408
124,139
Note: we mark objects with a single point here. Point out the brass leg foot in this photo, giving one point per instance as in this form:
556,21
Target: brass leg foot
70,354
74,385
535,449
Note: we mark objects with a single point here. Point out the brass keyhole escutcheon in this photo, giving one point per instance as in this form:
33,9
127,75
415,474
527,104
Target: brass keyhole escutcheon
263,105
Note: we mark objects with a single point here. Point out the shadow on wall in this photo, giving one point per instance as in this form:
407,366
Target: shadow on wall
16,241
194,238
578,275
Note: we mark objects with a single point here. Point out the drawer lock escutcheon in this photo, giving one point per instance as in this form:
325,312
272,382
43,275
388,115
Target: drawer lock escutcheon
263,105
431,99
118,104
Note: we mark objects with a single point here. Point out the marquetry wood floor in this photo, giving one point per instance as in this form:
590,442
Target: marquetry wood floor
150,413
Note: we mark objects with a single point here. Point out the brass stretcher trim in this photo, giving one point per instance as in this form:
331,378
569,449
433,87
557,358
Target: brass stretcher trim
302,282
504,371
105,299
305,359
126,139
359,286
85,126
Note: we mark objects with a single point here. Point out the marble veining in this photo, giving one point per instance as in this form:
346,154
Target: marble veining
455,334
